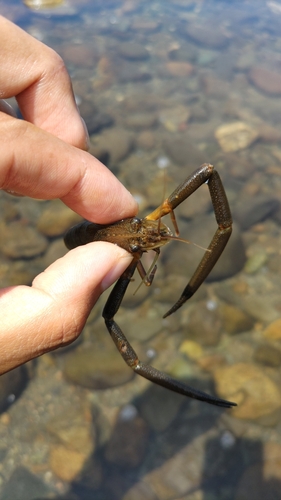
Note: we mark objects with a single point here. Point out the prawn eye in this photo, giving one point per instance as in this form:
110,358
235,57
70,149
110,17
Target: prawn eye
135,224
134,248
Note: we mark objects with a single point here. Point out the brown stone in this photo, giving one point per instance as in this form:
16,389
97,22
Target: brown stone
19,240
273,330
56,219
66,463
266,80
235,136
179,68
249,386
128,443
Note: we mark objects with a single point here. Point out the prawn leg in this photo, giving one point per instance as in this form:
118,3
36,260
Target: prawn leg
129,355
204,174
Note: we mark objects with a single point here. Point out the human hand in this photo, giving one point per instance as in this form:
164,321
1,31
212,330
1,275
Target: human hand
40,158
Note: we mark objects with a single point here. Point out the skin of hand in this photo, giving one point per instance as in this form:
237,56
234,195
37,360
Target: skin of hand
42,156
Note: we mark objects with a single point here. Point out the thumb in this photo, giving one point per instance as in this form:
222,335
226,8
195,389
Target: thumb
53,311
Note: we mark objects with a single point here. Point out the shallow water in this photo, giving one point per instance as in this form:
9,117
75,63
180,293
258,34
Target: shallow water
163,88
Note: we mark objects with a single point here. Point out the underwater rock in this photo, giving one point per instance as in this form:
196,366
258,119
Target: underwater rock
96,369
250,387
23,485
116,142
159,407
255,209
266,80
19,240
235,136
11,386
205,34
178,258
128,442
273,330
42,4
174,118
97,121
204,324
179,68
56,218
262,479
234,319
130,72
79,55
146,140
268,355
133,51
140,121
183,152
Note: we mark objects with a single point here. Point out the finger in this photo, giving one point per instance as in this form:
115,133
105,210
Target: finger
53,311
38,164
36,75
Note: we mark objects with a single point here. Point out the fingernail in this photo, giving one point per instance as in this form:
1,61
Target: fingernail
116,271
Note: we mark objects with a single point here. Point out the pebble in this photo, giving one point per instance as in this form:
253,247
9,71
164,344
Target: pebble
269,134
268,355
146,140
255,262
261,480
133,51
56,219
174,118
235,136
23,485
96,369
234,319
204,326
79,55
206,57
189,209
273,330
172,478
145,24
66,463
19,240
255,209
186,52
266,80
204,34
130,72
42,4
215,87
250,387
98,121
183,152
159,407
12,385
141,121
179,68
17,272
116,142
128,443
191,349
146,321
201,232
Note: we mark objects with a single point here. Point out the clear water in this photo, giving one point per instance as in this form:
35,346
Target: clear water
172,76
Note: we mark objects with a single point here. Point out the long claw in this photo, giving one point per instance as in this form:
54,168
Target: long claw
174,385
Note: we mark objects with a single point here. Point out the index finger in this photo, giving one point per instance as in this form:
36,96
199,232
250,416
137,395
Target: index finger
37,77
38,164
